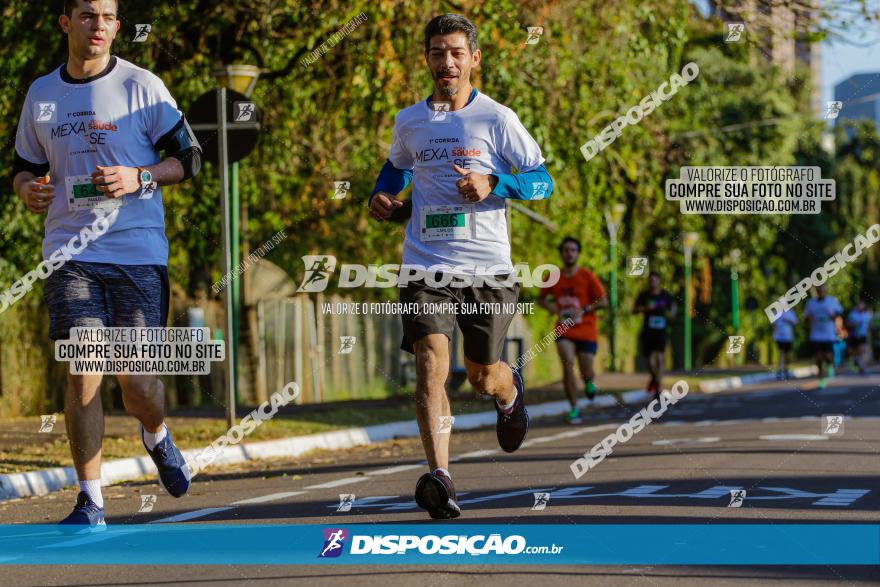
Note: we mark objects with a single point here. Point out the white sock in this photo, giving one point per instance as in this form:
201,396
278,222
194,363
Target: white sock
444,471
508,407
93,490
152,439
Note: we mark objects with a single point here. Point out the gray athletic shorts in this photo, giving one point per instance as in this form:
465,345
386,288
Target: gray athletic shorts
483,333
94,295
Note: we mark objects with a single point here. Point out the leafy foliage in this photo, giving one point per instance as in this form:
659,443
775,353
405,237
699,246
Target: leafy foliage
332,121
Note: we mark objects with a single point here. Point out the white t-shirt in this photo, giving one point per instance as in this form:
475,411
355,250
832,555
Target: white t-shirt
115,119
446,232
861,321
783,328
821,314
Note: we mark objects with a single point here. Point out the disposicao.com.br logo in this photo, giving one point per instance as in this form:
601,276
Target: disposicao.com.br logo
320,268
334,542
451,544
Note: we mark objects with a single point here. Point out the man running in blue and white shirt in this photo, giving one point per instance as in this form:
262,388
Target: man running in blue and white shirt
824,313
460,149
87,149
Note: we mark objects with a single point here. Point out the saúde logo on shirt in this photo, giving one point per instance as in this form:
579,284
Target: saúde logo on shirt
93,131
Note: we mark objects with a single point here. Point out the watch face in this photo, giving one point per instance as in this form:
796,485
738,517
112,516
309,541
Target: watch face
146,176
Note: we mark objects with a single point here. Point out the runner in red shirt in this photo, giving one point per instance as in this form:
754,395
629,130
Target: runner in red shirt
576,296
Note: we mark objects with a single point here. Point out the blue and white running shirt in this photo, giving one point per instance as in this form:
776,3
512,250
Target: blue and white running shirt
446,232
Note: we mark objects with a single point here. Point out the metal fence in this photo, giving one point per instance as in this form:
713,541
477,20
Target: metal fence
299,342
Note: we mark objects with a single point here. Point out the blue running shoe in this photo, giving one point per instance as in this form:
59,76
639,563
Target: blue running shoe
174,474
513,426
86,515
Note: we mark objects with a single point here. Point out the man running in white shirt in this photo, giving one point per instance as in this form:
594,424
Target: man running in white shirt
459,148
88,146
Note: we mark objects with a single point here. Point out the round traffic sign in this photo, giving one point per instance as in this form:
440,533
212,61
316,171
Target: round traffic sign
242,125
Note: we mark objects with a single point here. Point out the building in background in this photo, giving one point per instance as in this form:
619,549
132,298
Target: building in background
781,34
860,97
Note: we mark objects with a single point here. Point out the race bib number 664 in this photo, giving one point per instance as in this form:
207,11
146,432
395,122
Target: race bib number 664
82,194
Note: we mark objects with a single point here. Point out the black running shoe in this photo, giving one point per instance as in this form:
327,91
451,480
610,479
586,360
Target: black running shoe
436,493
513,426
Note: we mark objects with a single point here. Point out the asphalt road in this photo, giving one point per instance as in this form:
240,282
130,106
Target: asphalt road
771,440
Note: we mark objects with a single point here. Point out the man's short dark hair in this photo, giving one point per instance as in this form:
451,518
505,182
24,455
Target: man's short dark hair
446,24
570,239
69,5
654,274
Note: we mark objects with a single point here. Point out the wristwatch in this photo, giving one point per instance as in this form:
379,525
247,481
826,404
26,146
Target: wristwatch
146,179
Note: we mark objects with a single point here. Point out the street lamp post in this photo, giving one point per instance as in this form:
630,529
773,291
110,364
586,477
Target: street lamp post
613,218
734,295
689,240
241,78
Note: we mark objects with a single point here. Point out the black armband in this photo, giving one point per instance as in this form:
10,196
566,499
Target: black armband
181,143
22,164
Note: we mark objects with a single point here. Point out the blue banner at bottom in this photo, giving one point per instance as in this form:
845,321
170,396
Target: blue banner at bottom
443,543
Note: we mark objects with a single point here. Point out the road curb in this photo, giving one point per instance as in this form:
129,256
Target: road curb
45,481
717,385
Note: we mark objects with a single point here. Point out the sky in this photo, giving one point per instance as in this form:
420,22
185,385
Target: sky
840,60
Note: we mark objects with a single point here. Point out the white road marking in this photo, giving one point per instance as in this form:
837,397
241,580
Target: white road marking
794,437
267,498
398,469
479,453
338,483
192,515
670,441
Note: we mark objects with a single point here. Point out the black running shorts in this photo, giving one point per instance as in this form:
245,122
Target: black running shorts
822,346
653,341
483,314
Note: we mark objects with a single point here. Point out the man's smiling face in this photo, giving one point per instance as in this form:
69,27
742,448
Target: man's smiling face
450,60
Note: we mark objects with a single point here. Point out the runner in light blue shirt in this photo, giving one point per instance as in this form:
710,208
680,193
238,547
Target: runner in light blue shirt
783,334
858,322
824,315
